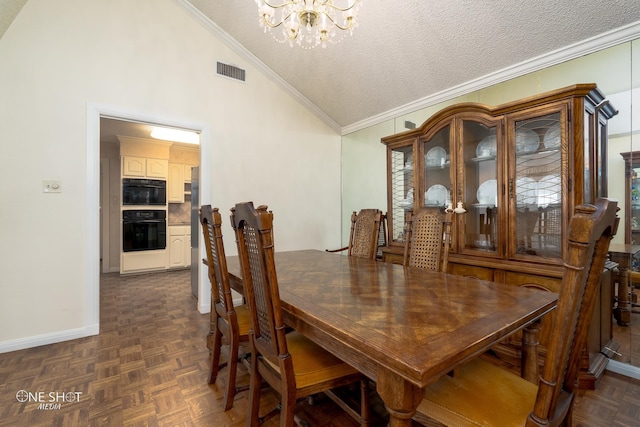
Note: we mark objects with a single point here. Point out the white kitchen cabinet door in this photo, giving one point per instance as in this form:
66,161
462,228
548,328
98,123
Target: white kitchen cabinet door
157,168
177,250
134,166
175,183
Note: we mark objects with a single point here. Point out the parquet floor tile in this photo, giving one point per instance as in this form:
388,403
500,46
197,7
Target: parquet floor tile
148,367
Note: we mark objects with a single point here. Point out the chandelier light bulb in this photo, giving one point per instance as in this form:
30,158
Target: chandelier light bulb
308,23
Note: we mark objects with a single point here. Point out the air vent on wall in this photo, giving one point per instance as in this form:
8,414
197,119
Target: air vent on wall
232,72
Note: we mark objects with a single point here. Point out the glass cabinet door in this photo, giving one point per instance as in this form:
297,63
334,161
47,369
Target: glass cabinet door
537,196
479,191
437,169
634,207
632,198
401,164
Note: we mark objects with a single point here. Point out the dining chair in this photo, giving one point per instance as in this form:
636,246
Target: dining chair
227,321
364,235
482,394
427,238
289,362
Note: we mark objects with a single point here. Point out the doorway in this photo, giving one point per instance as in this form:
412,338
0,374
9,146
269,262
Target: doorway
135,135
96,203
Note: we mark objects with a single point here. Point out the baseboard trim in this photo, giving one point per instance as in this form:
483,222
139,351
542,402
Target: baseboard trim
44,339
625,369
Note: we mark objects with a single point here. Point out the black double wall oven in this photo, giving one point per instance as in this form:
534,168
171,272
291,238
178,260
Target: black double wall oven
144,226
148,192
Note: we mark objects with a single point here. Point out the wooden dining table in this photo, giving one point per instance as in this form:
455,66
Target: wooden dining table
402,327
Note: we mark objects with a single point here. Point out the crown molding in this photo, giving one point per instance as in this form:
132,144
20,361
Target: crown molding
576,50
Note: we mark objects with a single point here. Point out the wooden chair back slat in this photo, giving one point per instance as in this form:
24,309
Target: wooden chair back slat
427,239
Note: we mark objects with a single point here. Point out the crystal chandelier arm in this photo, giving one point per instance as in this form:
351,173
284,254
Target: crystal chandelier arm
264,6
277,24
278,6
347,27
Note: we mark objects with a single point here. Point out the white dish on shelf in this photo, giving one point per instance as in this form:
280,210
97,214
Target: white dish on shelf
551,137
436,195
549,190
406,203
487,192
484,244
410,195
526,191
527,141
486,147
435,157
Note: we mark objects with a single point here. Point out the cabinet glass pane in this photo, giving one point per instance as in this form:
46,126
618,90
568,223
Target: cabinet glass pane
437,171
480,197
402,193
635,205
538,186
601,161
588,153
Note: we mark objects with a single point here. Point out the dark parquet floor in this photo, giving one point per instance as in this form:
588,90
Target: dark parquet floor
148,367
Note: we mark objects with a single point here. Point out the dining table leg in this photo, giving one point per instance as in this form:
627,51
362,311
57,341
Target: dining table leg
400,397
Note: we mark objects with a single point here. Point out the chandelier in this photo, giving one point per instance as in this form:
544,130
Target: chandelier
309,23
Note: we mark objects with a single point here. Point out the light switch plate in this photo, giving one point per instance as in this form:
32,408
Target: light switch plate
51,186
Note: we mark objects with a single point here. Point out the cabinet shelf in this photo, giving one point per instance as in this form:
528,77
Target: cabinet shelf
438,167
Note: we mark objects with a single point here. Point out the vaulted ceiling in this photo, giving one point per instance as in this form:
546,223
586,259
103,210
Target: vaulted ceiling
411,50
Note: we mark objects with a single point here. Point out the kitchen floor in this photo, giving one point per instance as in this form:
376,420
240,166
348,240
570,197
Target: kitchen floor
148,367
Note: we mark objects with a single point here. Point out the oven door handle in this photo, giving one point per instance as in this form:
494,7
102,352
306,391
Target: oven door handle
145,221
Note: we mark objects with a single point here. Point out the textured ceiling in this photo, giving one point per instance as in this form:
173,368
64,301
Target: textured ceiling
407,50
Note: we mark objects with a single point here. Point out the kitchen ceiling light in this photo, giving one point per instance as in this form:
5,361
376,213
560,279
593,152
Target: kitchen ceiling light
309,23
176,135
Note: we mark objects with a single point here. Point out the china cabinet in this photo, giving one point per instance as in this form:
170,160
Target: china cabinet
632,197
512,175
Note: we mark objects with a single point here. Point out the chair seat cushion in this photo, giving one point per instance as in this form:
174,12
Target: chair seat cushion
478,394
312,364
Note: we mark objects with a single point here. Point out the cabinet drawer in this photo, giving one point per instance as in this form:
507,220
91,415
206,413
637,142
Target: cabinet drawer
393,254
482,273
532,281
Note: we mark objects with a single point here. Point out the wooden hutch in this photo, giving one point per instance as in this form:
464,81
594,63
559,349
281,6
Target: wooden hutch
513,175
632,197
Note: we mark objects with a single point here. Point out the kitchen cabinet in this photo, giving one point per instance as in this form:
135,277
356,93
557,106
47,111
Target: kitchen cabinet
179,245
512,175
632,197
141,167
175,183
187,174
142,261
179,182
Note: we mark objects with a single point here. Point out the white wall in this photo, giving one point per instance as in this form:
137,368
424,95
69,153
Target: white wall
58,61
